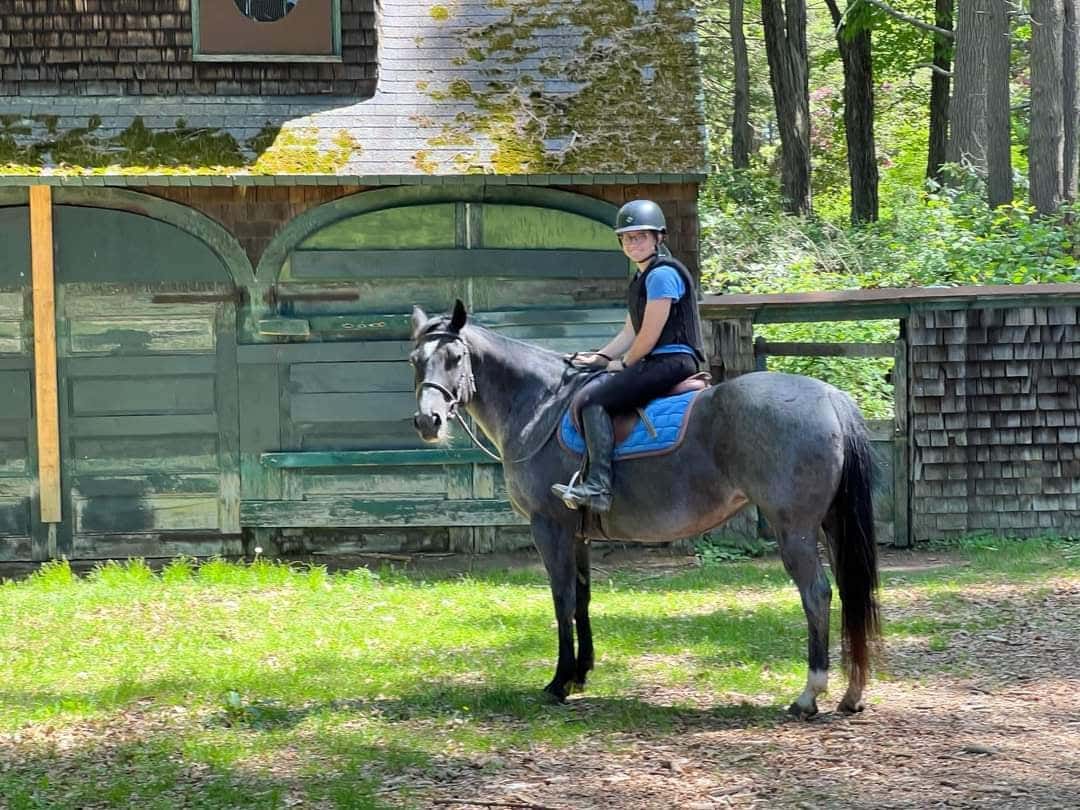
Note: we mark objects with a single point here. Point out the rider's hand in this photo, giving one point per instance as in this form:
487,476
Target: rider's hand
589,360
616,365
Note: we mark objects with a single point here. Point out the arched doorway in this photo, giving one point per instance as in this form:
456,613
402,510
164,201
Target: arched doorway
533,263
147,295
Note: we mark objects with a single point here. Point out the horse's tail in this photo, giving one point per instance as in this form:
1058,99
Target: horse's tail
854,547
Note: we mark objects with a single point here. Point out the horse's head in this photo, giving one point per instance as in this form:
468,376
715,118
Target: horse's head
443,369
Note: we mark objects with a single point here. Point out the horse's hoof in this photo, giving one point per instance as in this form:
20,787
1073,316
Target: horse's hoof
555,693
802,712
577,685
850,706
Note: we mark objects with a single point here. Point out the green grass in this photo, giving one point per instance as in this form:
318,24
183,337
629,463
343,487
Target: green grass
223,685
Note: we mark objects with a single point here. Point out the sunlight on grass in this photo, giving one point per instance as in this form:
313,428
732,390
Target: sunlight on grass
272,680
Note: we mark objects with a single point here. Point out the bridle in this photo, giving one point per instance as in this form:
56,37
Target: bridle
454,398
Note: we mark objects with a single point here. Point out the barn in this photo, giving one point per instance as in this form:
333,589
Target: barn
215,216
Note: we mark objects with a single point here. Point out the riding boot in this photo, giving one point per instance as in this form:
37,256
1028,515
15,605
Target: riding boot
595,491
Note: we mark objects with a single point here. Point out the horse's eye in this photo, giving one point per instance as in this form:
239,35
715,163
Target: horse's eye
452,360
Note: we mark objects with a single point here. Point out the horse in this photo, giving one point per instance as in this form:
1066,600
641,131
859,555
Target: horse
795,447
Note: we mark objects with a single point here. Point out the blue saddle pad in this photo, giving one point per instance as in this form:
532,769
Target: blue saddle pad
666,415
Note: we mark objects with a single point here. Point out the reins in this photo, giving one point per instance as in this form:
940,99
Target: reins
454,399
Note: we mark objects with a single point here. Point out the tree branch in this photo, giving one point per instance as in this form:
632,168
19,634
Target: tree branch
940,71
925,26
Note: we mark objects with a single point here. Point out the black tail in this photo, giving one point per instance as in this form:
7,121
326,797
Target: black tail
854,546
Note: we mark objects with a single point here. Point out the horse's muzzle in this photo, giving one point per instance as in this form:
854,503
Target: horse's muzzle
429,426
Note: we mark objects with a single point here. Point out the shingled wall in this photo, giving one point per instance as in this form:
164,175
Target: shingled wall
144,47
994,421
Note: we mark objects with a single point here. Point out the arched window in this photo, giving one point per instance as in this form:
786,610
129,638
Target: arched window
265,10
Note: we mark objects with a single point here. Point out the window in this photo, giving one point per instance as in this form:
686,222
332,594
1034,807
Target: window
265,10
261,30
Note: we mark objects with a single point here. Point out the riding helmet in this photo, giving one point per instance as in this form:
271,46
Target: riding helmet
640,215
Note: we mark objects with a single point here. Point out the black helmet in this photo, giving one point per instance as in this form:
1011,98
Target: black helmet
640,215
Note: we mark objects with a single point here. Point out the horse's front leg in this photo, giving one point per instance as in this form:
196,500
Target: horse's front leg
798,550
555,542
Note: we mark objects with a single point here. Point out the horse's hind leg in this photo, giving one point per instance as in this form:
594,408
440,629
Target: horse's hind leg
556,545
798,550
581,615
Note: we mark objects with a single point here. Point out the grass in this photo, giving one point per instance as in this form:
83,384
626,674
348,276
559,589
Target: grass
221,685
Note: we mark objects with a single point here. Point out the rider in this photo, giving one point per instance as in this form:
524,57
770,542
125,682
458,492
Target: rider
659,346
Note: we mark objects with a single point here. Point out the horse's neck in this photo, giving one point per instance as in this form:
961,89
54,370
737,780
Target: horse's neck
512,380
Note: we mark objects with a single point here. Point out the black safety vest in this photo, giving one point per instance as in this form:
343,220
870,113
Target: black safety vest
683,323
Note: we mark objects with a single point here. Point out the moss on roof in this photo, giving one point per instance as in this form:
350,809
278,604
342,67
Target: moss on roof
627,101
181,150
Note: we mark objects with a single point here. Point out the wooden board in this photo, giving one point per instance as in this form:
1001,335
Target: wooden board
371,458
345,512
451,263
45,375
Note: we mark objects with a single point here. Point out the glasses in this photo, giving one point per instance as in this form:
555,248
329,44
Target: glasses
635,237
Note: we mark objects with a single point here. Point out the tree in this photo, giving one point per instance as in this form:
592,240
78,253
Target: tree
999,182
741,133
1070,47
938,141
785,46
1047,139
853,40
979,130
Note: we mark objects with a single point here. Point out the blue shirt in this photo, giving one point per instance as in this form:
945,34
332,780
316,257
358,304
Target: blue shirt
666,282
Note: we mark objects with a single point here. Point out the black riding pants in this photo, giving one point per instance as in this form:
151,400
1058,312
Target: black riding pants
649,378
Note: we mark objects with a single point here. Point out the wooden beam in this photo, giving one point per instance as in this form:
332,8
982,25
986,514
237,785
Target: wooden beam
799,349
354,513
311,459
45,382
455,263
842,305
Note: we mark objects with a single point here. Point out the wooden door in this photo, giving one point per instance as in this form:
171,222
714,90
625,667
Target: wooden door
148,389
18,538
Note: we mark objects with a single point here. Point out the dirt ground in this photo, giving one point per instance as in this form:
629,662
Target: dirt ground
1006,736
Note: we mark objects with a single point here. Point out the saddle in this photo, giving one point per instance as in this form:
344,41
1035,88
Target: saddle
654,429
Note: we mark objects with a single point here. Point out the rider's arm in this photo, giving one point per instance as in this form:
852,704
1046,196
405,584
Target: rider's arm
656,315
618,345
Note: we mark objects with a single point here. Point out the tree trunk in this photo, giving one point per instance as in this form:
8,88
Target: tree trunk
1071,101
967,110
1046,145
741,134
858,119
999,180
939,92
785,46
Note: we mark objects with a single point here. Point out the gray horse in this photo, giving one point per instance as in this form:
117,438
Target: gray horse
795,447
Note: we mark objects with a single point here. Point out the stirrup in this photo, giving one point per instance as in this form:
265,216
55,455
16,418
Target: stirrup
575,479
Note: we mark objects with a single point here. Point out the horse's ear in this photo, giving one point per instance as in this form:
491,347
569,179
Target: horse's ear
457,320
419,318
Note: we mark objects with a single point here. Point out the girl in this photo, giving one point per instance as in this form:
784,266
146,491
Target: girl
659,346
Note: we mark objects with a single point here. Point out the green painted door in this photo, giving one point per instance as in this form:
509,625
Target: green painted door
148,389
18,538
552,276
